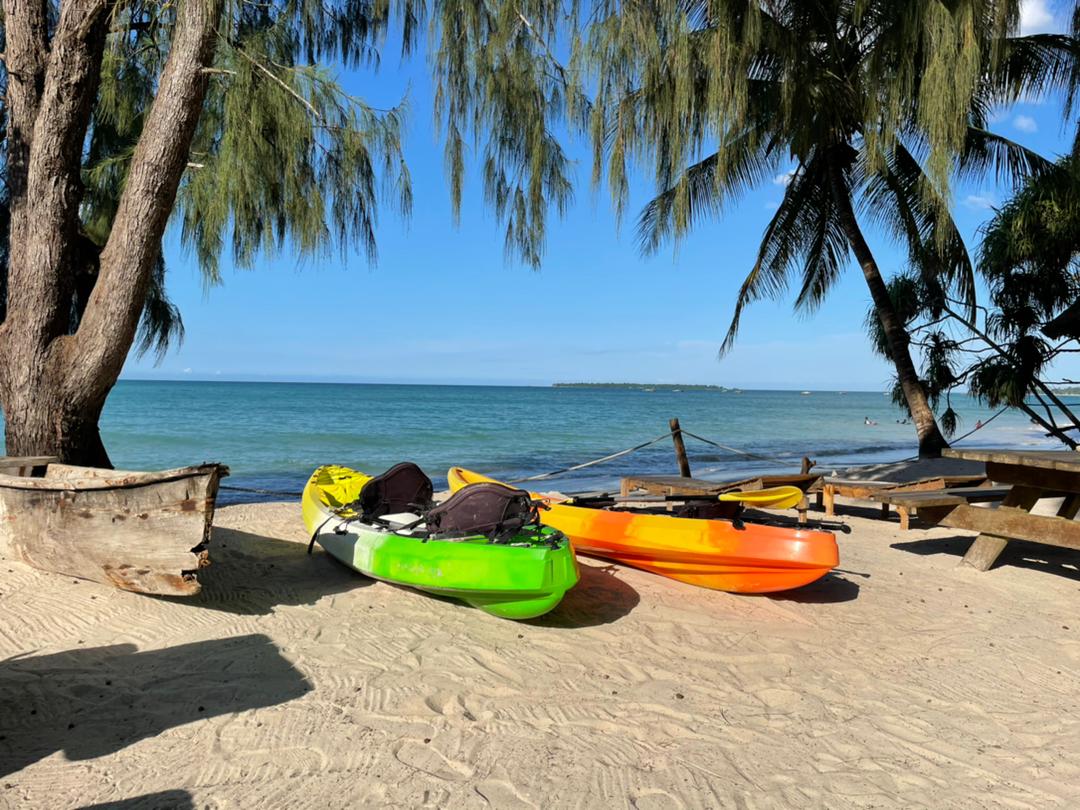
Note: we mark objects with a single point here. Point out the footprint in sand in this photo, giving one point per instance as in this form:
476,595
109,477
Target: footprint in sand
422,757
501,793
650,799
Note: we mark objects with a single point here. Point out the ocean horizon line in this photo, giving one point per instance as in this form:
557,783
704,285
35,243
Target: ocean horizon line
730,389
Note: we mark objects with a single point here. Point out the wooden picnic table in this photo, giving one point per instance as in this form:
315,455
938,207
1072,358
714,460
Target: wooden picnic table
1030,476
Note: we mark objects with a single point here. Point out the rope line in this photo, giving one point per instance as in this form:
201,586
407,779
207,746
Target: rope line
613,456
980,427
780,460
627,451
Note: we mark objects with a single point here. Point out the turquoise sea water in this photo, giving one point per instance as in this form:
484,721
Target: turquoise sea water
273,434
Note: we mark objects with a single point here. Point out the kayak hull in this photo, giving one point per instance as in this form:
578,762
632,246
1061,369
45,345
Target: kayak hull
713,554
512,581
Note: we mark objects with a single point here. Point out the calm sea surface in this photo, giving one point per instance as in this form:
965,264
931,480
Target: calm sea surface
273,434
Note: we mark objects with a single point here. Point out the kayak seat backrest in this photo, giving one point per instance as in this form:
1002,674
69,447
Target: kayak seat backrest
402,488
493,510
710,510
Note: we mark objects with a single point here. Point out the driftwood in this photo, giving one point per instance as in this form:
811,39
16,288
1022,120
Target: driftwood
142,532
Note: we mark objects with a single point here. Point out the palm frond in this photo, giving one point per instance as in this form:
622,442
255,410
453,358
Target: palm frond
802,228
704,188
984,152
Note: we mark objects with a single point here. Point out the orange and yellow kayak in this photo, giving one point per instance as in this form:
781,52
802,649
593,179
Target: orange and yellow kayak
718,554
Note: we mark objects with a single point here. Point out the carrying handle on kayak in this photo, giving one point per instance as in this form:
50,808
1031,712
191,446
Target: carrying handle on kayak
315,534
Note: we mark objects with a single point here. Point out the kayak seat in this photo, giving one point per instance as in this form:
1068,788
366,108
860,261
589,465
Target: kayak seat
402,488
709,510
496,511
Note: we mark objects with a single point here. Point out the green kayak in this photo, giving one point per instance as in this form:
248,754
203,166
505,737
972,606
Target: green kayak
519,576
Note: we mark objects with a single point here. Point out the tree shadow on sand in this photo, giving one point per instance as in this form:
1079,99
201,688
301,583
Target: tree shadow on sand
600,597
1062,562
162,800
830,589
89,702
253,574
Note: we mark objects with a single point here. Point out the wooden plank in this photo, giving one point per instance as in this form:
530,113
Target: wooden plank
1039,477
9,462
1063,460
24,465
1014,523
1070,507
944,497
941,482
994,532
673,485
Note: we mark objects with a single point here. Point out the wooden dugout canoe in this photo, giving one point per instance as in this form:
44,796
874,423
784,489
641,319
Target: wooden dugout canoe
146,532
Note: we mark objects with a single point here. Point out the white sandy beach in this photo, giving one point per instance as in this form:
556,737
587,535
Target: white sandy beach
902,680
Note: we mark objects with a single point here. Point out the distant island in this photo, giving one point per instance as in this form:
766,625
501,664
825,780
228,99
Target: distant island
643,386
1068,391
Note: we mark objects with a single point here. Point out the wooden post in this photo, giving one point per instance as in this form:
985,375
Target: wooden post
680,448
807,463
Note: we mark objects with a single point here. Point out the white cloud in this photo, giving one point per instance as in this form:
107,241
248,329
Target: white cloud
1025,123
187,370
983,202
1035,17
784,179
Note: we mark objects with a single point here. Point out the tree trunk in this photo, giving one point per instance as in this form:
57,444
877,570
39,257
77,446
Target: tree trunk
53,385
52,426
931,441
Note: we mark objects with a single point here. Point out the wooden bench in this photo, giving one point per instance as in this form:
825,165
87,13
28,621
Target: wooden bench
866,490
24,465
906,503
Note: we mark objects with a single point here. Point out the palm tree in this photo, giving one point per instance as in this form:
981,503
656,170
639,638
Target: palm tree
875,102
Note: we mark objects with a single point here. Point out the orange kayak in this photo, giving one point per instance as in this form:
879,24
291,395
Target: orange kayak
750,558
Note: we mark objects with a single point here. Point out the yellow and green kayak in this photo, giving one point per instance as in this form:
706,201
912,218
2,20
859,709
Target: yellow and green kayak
520,577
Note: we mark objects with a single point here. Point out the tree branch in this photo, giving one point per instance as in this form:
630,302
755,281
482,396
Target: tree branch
45,220
109,324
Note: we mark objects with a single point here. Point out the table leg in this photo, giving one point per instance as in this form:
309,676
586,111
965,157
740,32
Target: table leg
987,547
1070,507
830,500
802,507
624,488
905,517
819,502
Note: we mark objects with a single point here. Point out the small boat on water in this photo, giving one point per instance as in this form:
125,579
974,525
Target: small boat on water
483,545
147,532
725,554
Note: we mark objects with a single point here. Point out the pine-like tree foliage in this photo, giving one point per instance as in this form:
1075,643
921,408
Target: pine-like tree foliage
498,77
283,158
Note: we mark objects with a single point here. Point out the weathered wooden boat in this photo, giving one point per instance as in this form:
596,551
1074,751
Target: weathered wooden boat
147,532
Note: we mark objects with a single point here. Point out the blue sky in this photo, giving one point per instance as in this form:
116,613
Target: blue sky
442,305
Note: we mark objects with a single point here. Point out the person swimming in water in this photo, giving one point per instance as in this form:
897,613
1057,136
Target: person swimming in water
868,421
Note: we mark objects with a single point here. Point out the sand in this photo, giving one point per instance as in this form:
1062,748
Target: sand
902,680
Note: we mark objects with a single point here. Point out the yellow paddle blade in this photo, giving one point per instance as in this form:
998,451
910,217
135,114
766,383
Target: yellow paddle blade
772,498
